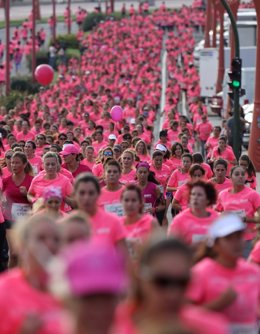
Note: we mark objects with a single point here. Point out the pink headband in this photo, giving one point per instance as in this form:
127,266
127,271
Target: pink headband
143,164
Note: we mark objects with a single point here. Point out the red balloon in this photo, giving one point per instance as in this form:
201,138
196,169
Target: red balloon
44,74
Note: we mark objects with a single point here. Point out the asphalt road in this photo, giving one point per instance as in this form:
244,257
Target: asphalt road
21,11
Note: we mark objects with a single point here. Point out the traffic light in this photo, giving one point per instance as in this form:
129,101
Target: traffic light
234,74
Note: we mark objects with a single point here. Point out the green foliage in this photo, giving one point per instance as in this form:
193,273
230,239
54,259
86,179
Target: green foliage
68,41
24,84
72,53
11,100
92,20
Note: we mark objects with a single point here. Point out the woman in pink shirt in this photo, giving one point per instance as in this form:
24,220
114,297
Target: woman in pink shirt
25,287
180,175
16,204
110,197
35,161
6,166
224,152
89,157
176,153
234,285
104,225
181,197
243,201
193,223
51,177
128,169
220,181
138,225
52,199
159,292
141,151
247,164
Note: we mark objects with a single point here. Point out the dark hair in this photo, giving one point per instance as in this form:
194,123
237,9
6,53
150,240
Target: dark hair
174,147
251,168
196,167
86,178
163,133
137,189
158,247
32,143
220,162
113,162
208,188
197,158
157,154
224,139
187,155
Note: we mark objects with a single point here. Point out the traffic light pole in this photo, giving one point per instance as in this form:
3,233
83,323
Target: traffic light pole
236,107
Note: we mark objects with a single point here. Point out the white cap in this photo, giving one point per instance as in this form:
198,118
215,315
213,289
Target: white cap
224,226
161,148
132,121
112,137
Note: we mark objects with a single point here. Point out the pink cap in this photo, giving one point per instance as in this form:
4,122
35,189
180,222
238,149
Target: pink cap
91,267
69,149
51,192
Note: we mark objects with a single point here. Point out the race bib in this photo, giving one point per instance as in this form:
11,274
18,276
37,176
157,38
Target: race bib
147,207
239,213
198,238
116,208
244,329
19,210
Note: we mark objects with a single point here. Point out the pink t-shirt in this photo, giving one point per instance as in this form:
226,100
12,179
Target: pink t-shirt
244,203
39,183
222,186
177,179
255,253
128,178
107,226
190,228
182,196
211,279
204,130
110,201
24,300
137,233
161,175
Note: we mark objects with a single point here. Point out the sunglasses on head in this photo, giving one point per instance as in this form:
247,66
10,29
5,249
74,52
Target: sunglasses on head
170,282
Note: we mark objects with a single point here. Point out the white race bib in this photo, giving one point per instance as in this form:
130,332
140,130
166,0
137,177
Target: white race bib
244,329
240,213
19,210
116,208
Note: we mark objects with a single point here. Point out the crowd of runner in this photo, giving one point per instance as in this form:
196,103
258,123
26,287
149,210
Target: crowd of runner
104,229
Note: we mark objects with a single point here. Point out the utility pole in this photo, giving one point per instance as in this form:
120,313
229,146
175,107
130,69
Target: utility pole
7,46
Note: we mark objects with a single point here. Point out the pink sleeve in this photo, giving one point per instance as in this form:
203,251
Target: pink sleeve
118,232
178,195
68,189
256,200
176,228
31,190
219,206
231,156
172,181
195,290
255,254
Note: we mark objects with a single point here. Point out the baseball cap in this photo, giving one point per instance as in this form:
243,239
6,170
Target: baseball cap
161,148
69,149
112,137
225,225
88,268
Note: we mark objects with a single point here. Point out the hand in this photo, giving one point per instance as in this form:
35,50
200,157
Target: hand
228,296
31,324
23,190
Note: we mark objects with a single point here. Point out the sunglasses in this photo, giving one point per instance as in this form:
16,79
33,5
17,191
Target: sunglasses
108,154
63,138
164,282
8,157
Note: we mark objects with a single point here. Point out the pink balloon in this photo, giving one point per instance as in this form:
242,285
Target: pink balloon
116,113
44,74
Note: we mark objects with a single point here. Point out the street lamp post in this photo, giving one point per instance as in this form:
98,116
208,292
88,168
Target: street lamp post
33,38
214,24
7,47
69,16
208,25
254,143
236,106
54,20
221,56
